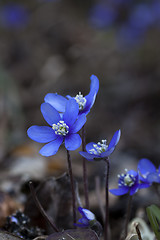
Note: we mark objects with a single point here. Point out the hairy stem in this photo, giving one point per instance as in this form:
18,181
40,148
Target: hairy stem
39,206
85,177
128,213
106,224
99,197
72,187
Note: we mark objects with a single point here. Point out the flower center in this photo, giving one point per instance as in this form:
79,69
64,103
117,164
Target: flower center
80,100
60,128
99,148
127,180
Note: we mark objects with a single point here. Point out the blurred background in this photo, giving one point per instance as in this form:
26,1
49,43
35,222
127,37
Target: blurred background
55,46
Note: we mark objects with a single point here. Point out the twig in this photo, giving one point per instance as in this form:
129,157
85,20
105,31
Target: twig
106,224
128,216
138,231
41,209
72,188
85,177
97,183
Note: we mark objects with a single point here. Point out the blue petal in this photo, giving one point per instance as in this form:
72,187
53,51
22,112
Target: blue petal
50,114
145,166
143,179
84,221
132,172
69,97
80,209
144,185
134,189
87,214
57,101
88,156
51,148
78,124
119,191
89,146
42,134
94,87
80,225
153,177
72,141
71,112
107,153
115,139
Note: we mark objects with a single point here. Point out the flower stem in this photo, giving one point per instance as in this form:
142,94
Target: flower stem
129,205
99,198
106,224
72,187
155,185
39,206
85,178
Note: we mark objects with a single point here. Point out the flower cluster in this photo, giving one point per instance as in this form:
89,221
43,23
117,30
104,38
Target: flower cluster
85,103
13,15
62,128
128,182
133,18
148,172
100,150
66,116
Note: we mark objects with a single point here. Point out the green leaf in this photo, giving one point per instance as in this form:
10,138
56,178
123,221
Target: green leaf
74,234
153,213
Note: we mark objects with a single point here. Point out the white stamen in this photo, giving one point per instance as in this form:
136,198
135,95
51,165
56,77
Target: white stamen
60,128
128,180
99,148
80,100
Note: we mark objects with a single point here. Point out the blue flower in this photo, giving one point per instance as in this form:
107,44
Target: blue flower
102,15
142,16
100,150
128,36
148,172
88,218
85,103
62,128
128,182
13,15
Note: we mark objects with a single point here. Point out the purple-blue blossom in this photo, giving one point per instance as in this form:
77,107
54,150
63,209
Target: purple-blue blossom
128,36
131,19
128,182
63,128
88,218
100,150
102,15
13,15
142,16
148,172
85,102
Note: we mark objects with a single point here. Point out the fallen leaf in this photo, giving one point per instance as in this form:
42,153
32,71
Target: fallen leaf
55,197
8,236
74,234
